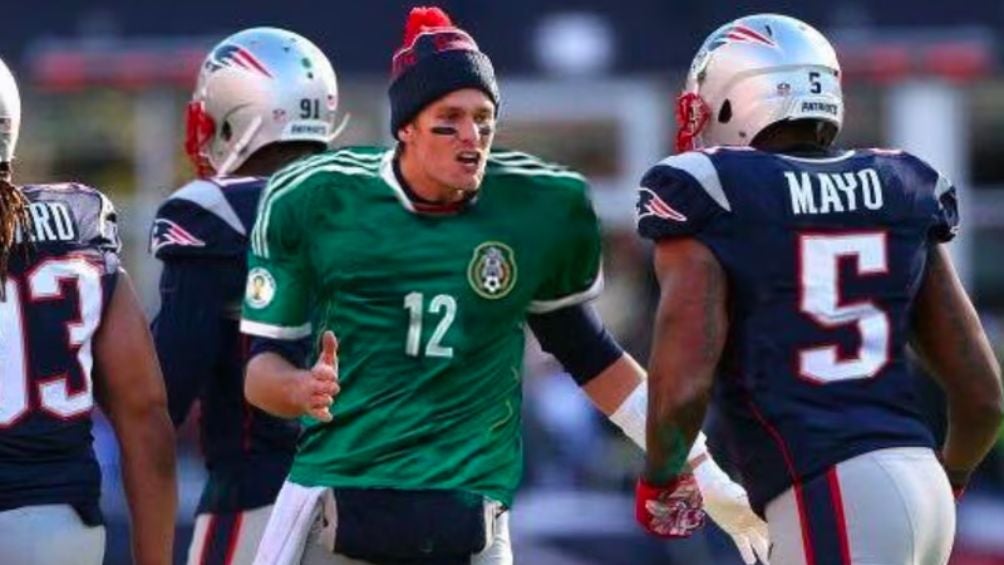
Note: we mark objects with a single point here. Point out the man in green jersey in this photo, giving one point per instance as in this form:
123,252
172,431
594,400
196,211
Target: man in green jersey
427,260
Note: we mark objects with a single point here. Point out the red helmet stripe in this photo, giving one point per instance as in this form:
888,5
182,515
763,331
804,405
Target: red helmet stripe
248,61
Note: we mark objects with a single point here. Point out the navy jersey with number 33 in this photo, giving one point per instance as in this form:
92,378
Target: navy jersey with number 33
57,289
824,253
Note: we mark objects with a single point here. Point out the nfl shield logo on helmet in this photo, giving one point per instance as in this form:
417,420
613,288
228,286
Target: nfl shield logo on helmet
492,270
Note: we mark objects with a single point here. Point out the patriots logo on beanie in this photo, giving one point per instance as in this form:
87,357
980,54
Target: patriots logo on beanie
435,59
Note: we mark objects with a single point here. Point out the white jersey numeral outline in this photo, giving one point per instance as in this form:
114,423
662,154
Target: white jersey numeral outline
45,283
820,299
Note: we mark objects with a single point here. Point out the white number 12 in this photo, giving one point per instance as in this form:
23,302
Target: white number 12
441,303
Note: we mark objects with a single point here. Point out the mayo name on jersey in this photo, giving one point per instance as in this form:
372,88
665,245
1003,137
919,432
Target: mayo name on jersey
824,252
429,310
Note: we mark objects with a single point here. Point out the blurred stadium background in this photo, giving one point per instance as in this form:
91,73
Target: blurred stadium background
588,83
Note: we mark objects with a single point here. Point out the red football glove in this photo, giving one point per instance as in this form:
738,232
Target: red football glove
672,510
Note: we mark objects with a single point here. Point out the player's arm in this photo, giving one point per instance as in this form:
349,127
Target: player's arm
616,385
130,390
947,334
688,336
278,309
186,331
276,385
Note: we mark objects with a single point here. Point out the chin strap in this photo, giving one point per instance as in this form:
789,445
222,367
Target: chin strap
339,128
228,164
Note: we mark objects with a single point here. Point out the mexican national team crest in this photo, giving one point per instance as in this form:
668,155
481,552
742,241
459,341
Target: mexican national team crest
492,271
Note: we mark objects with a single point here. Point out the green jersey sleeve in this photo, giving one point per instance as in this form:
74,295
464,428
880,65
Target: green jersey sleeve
576,275
278,295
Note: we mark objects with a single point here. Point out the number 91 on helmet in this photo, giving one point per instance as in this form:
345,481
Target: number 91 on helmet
259,86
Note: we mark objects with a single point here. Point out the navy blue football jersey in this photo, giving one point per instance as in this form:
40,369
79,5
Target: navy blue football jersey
824,253
201,235
59,282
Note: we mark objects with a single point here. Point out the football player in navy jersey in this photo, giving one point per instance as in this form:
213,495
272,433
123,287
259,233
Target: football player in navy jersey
264,98
72,332
794,277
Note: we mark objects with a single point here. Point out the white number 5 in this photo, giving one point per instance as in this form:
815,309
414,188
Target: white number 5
821,300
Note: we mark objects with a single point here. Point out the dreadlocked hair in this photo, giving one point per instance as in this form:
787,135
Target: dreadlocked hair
13,215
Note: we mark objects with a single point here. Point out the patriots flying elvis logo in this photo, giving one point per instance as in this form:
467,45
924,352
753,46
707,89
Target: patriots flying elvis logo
229,55
649,204
166,232
739,34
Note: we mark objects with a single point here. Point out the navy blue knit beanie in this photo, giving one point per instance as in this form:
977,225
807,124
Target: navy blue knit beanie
436,58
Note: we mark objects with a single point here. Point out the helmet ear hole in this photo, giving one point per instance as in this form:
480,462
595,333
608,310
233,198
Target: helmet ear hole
226,132
725,113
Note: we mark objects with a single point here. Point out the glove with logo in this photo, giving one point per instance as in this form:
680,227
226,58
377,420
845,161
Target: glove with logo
670,510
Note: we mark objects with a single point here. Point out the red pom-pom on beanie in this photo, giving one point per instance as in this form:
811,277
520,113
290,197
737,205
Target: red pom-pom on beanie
423,18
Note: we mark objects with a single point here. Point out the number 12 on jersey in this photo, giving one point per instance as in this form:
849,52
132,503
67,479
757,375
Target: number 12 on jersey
820,299
442,305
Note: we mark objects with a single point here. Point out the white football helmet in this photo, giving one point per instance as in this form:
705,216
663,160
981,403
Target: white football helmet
754,72
10,114
259,86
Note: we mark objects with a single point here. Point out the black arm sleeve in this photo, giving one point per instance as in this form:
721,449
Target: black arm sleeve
296,352
576,337
187,329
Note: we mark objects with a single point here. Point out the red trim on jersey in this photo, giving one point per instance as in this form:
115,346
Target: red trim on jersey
235,534
207,540
796,482
838,508
803,523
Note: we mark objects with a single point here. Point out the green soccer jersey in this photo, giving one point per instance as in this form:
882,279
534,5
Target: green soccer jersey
428,309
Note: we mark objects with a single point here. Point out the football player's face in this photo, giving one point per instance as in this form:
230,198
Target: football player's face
449,142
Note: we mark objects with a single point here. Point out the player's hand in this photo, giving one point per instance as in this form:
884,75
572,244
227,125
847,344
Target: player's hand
671,510
322,385
727,504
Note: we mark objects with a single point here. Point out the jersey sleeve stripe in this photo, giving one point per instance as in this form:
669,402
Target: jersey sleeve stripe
556,173
276,192
275,332
699,166
375,157
544,306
